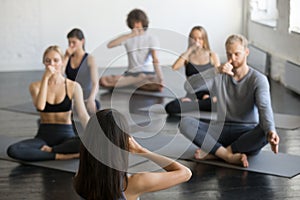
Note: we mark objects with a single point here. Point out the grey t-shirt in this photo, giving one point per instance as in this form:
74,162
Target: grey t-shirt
138,50
246,101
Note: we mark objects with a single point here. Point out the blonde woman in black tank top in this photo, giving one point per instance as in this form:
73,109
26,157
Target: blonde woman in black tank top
197,58
53,96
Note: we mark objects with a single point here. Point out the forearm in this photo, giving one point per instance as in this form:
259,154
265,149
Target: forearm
182,59
41,98
118,41
263,102
156,65
80,106
94,92
164,162
94,77
158,71
178,63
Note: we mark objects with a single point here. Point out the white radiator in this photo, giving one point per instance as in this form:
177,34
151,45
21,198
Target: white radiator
259,59
292,76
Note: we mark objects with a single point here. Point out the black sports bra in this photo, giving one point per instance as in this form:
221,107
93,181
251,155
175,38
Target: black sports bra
64,106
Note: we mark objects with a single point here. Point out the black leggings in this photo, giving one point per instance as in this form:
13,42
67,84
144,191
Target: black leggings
60,137
177,106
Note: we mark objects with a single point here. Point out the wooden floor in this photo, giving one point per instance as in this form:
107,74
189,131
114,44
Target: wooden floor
208,182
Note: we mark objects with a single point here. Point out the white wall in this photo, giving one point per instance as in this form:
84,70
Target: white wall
28,27
281,44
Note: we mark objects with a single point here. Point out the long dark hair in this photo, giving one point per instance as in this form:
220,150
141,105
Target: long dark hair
76,33
103,157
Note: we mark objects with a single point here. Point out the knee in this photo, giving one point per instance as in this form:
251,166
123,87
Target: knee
185,124
102,81
142,76
173,107
13,152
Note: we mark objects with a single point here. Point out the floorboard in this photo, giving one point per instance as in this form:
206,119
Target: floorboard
208,182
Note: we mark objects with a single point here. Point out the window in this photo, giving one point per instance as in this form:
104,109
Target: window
294,16
264,12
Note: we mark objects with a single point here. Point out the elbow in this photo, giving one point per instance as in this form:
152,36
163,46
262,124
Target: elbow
110,45
40,107
186,174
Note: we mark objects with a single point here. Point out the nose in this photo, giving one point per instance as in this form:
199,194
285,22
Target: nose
231,57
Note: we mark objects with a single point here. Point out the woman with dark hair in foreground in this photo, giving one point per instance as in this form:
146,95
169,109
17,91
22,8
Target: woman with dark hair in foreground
103,164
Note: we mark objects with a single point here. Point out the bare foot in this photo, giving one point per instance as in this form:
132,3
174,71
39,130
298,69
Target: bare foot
185,99
201,155
60,156
152,87
239,159
46,148
206,96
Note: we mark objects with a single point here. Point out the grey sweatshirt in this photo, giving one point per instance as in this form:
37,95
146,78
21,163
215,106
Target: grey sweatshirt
246,101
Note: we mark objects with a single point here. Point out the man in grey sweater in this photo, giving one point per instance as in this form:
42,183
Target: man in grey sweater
245,121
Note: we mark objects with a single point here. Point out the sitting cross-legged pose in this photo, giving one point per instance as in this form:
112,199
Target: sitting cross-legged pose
143,69
197,58
52,96
245,121
103,165
81,67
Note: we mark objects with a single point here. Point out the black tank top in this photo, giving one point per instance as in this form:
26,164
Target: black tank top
64,106
191,69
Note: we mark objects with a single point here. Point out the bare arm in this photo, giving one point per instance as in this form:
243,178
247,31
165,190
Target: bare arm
184,57
215,60
79,105
39,91
153,181
156,66
94,79
118,41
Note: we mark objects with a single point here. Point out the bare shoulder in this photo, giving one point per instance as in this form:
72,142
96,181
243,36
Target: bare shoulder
215,58
136,184
34,85
90,58
214,55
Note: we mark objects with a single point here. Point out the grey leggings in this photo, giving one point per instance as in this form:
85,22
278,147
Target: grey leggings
248,139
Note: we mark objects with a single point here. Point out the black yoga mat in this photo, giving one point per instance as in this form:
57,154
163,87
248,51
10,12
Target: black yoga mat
177,146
